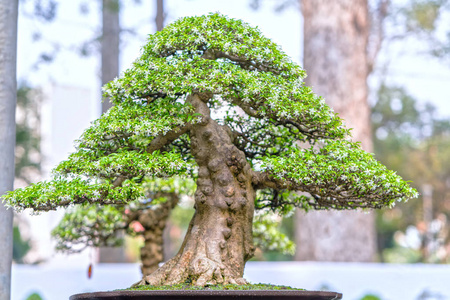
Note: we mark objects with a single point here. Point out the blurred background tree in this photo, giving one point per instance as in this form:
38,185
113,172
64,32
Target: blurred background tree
27,156
28,137
21,246
415,141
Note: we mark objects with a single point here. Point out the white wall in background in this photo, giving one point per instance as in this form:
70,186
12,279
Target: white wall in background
354,280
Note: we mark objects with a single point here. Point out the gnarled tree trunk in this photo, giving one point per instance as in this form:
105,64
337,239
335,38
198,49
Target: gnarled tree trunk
219,238
335,58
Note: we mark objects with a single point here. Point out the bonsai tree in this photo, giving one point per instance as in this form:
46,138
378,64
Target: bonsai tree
213,99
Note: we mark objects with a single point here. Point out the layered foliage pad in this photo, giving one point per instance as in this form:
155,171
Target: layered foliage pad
269,111
76,231
338,174
62,192
87,225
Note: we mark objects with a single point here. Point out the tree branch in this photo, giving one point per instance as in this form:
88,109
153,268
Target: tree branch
264,180
162,140
325,196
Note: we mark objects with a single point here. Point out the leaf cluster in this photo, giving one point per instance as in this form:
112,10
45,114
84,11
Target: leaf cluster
338,175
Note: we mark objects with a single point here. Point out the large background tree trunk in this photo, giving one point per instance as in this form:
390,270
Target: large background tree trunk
160,15
335,44
110,44
8,87
110,70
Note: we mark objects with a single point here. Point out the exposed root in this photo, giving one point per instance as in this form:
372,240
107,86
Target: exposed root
200,271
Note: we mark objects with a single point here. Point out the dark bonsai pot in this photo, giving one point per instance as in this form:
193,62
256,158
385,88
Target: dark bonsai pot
208,294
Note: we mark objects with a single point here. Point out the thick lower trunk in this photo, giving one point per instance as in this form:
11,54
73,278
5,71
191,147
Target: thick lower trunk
219,238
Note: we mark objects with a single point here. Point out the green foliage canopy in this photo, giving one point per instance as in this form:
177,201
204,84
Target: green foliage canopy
269,111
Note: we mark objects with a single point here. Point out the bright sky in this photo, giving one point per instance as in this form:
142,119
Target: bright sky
425,78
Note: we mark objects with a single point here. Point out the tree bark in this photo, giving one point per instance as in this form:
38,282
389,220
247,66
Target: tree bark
219,238
110,70
154,221
160,15
8,88
110,44
335,58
